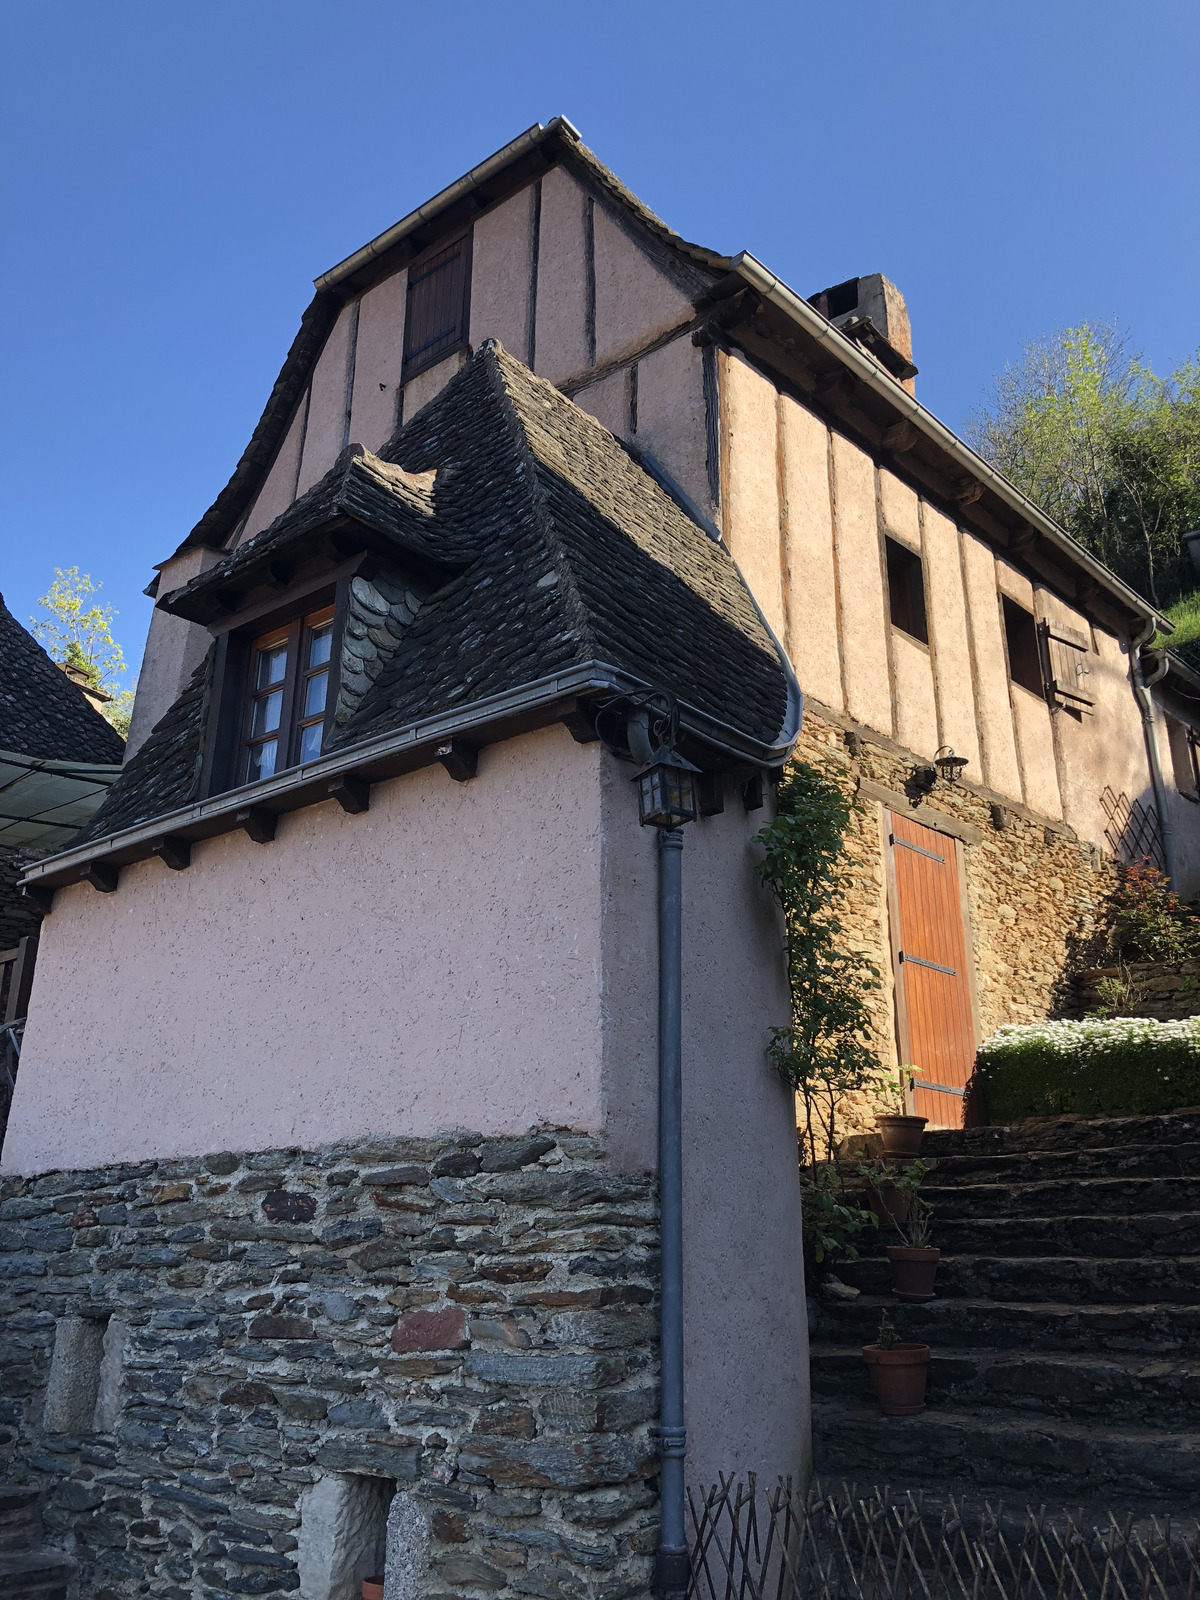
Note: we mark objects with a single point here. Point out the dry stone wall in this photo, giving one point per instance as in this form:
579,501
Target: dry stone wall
470,1320
1038,897
1169,991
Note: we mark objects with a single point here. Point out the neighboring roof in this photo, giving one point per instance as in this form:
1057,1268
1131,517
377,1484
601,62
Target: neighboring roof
568,553
42,713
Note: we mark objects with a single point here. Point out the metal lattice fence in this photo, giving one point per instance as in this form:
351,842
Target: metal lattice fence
840,1545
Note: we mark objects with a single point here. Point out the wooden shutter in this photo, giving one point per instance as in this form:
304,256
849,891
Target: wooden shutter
933,994
435,318
1066,655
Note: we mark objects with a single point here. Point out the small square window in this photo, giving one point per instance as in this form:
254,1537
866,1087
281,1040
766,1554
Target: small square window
288,692
906,590
437,307
1020,637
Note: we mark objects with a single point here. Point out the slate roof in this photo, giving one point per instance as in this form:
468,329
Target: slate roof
571,554
42,713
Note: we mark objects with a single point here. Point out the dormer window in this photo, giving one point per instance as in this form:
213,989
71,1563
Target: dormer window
287,695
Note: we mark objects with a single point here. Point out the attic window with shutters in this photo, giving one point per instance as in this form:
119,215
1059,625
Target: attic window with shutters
436,312
1020,637
906,590
1067,651
1185,759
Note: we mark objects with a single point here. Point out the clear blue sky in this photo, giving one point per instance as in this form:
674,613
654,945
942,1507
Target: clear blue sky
174,176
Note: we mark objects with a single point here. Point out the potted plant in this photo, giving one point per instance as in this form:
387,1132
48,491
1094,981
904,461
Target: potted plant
890,1189
915,1262
901,1134
898,1371
372,1588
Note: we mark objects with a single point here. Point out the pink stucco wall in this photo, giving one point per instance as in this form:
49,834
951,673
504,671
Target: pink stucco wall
431,964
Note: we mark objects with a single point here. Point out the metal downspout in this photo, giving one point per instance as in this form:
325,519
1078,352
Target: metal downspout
671,1558
1145,700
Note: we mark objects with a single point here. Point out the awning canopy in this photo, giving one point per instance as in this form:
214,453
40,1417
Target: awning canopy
43,804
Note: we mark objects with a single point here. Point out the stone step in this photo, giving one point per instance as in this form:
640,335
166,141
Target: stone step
1032,1166
1130,1391
1094,1197
1092,1280
1066,1133
1155,1235
20,1518
41,1574
1160,1328
1045,1458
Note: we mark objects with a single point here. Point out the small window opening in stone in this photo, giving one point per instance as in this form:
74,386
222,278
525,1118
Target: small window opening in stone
343,1538
906,590
1020,636
83,1392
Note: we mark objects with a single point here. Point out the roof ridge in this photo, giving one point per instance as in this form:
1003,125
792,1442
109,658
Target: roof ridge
494,353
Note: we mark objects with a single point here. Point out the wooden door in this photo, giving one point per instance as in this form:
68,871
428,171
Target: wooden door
933,993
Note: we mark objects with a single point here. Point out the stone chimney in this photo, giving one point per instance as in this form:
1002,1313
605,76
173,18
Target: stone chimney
872,312
97,697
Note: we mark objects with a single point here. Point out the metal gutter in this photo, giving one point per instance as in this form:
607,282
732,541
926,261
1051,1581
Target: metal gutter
221,809
868,372
1142,684
458,190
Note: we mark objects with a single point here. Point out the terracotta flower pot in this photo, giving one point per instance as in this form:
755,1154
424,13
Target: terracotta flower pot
898,1376
901,1136
913,1270
372,1588
888,1204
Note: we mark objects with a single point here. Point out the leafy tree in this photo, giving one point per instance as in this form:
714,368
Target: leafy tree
80,635
1105,447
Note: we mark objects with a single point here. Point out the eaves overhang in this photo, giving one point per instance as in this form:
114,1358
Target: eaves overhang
444,737
860,393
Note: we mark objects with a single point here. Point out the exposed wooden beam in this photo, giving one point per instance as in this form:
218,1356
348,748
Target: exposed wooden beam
900,437
710,791
102,875
41,894
967,492
259,823
353,794
579,725
459,758
173,850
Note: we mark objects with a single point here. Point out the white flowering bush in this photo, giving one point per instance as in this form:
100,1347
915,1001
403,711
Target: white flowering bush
1100,1064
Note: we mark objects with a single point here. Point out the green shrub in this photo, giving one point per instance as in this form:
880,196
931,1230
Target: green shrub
1045,1069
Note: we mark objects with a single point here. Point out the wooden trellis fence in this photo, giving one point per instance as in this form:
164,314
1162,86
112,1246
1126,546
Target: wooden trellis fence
842,1545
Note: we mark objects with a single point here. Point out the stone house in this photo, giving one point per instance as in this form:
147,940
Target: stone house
330,1172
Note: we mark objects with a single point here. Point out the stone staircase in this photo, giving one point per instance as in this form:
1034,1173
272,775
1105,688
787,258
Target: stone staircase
29,1569
1065,1334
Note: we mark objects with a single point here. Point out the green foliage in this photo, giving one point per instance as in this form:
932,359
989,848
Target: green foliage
1123,1064
887,1338
826,1053
1150,922
80,635
831,1225
1105,447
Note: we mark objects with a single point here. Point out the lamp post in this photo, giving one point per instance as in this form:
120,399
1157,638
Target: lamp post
667,800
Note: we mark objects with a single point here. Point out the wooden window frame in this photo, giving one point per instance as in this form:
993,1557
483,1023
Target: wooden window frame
295,634
1066,652
905,570
415,362
1010,611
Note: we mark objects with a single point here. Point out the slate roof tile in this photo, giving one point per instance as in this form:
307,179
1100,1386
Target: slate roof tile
42,713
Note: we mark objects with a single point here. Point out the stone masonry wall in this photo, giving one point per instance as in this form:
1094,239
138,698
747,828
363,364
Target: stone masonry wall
1038,896
1166,990
473,1319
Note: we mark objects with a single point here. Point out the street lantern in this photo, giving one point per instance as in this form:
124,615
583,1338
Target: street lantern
666,790
949,766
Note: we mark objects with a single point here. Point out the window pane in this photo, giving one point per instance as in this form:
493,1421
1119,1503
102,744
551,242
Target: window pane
265,717
318,645
261,763
272,664
314,694
310,742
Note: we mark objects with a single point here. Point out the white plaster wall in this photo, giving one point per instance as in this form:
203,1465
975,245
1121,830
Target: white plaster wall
275,496
746,1330
671,421
635,302
327,408
561,340
860,587
916,707
812,623
174,649
432,963
377,361
501,272
427,385
1001,770
750,493
608,401
946,608
1035,746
